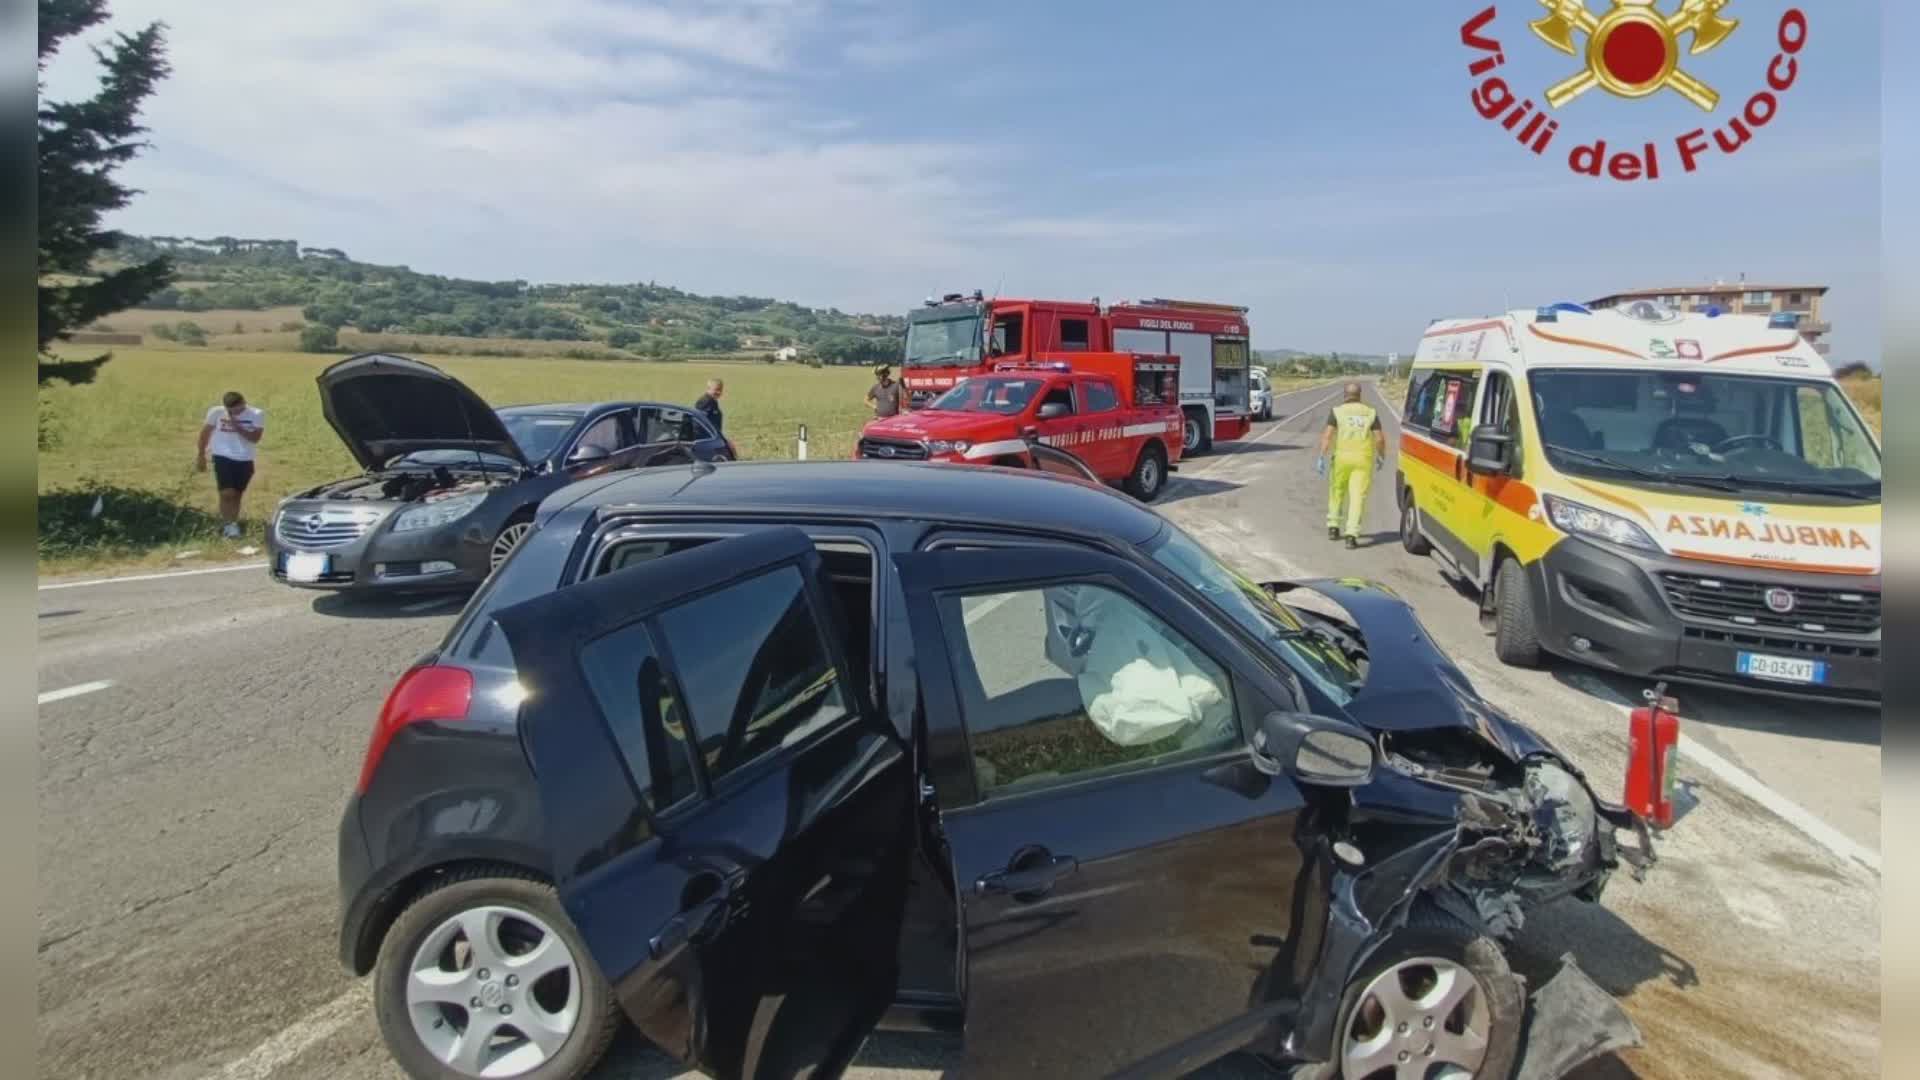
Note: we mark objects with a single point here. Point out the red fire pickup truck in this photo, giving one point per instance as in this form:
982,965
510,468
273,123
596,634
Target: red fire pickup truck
1119,413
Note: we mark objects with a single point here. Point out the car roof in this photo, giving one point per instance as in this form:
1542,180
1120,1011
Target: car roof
879,489
583,407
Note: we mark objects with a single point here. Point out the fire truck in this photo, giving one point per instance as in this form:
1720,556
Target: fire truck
957,336
1119,414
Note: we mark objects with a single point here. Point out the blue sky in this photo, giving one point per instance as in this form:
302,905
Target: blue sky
1320,163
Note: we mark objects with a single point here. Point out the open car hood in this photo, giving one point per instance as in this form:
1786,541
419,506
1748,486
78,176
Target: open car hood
383,406
1411,685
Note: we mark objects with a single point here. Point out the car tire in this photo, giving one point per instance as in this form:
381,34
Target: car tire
1516,638
1149,475
519,912
1411,537
511,535
1433,949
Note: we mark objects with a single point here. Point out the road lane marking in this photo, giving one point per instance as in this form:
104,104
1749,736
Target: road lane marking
153,577
1835,841
1275,426
74,691
293,1040
989,607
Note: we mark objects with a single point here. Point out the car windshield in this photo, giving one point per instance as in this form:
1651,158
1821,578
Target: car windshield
538,434
453,459
1006,397
1723,432
1257,612
936,342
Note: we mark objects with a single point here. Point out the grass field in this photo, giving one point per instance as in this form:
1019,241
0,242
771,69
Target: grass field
126,441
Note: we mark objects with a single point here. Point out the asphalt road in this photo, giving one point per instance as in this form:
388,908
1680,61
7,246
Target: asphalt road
188,809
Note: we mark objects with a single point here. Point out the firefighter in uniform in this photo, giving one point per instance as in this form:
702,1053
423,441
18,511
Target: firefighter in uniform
1359,447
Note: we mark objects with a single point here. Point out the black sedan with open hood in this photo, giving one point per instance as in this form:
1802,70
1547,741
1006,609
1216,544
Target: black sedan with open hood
450,483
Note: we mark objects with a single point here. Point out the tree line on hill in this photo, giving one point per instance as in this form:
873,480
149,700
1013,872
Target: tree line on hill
335,291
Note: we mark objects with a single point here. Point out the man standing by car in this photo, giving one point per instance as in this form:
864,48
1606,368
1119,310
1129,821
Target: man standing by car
232,433
884,396
708,404
1359,447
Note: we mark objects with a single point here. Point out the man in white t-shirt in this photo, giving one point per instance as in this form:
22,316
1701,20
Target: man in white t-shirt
232,432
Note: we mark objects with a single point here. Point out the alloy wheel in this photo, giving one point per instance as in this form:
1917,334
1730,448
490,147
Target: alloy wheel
1190,436
493,992
1421,1019
508,539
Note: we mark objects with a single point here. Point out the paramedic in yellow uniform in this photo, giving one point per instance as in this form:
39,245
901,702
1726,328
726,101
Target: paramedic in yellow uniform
1359,446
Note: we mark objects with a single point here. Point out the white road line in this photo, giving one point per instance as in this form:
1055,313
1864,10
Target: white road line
1276,426
292,1041
74,691
154,577
989,607
1752,787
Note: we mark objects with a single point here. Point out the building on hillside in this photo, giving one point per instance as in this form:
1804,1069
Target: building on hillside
1740,298
787,353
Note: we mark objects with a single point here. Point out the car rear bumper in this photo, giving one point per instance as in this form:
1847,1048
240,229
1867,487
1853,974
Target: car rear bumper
356,900
1611,608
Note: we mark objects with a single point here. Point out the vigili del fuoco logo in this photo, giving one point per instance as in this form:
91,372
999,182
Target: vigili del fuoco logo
1633,50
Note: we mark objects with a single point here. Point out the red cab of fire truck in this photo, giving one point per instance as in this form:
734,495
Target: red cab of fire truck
1119,413
958,336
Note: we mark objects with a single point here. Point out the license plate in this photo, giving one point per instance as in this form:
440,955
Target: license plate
1782,668
306,566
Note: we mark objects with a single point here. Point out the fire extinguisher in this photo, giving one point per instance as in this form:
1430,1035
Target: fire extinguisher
1653,736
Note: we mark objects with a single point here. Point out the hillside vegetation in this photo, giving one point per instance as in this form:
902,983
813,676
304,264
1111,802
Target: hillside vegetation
290,287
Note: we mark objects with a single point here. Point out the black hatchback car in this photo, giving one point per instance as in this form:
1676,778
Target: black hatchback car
450,484
769,755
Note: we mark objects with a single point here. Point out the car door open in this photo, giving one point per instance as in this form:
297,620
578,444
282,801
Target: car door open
727,818
1125,872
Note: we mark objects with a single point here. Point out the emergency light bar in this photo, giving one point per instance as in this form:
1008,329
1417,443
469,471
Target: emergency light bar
1785,320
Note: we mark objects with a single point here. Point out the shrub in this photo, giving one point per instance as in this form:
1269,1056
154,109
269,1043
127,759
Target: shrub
164,331
190,333
319,337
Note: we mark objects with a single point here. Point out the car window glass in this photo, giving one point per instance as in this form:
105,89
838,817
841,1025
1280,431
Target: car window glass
1059,395
603,433
756,672
1071,682
1101,397
643,712
671,425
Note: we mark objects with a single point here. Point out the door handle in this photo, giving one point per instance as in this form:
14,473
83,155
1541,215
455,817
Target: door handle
1025,882
690,926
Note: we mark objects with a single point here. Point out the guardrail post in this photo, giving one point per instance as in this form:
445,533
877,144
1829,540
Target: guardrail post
800,447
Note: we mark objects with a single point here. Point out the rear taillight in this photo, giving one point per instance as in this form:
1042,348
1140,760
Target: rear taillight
425,693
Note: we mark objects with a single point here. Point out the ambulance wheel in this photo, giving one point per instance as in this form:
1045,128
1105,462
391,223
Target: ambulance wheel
1149,473
1516,639
1410,536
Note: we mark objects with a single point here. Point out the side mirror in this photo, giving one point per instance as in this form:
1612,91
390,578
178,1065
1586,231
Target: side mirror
1315,750
583,455
1490,452
1054,410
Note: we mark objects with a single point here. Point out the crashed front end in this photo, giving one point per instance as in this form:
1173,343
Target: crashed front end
1469,810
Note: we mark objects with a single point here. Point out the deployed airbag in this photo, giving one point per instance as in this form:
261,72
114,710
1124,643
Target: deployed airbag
1138,683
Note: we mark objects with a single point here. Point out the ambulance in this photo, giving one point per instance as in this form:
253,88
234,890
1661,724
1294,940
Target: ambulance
1686,496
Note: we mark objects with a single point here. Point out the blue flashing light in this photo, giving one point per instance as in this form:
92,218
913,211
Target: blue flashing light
1785,320
1568,305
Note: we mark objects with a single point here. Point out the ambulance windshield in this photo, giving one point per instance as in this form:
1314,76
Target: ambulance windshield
937,342
1738,433
1004,397
1258,613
